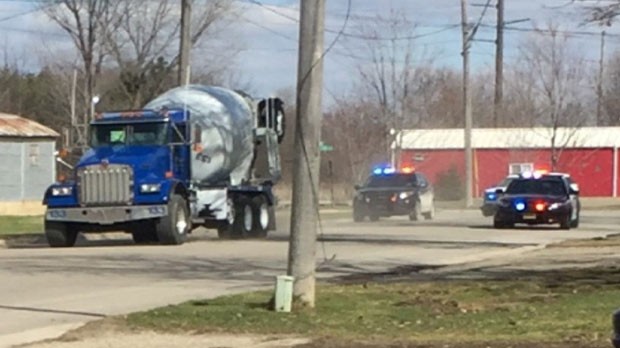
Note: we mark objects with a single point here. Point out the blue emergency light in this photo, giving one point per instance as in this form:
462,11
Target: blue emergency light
388,170
519,205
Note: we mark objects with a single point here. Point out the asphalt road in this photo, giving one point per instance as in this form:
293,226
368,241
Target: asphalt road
44,292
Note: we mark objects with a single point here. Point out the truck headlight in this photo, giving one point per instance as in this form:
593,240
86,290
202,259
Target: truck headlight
62,191
150,188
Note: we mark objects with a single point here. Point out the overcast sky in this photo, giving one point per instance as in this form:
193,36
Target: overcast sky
269,34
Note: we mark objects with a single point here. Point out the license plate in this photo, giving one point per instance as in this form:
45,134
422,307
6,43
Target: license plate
529,216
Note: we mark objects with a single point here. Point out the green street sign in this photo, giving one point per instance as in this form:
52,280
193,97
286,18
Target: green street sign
325,147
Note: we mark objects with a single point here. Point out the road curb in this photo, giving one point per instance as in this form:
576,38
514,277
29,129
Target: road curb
37,335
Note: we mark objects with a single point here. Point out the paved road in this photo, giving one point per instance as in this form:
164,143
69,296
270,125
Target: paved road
44,292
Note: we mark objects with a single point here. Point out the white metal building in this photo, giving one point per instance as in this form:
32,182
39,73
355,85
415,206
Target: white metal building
27,164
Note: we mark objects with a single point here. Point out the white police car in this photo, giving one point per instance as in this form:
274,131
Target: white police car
489,205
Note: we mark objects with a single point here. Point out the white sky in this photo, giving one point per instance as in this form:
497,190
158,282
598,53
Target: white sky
269,61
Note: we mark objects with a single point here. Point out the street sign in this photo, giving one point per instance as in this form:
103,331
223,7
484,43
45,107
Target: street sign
325,147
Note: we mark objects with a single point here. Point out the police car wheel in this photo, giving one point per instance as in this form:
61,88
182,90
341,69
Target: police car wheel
575,223
416,212
358,216
565,222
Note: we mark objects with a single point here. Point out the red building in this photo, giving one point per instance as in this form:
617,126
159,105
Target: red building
589,155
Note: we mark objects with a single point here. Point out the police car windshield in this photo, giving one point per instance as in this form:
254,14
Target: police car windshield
391,180
536,186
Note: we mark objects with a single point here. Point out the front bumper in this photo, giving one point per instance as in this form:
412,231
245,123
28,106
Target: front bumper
106,215
386,209
531,218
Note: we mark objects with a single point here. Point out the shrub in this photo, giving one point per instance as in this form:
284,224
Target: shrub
449,185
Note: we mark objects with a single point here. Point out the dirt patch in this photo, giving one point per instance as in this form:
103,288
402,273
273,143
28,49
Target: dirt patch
610,241
330,343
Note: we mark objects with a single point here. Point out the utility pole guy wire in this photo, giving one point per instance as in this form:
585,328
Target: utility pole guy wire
302,246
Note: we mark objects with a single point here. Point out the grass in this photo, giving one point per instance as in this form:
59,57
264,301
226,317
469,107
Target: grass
473,313
12,225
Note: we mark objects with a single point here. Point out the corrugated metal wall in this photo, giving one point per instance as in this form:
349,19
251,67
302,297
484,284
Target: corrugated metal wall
27,168
592,169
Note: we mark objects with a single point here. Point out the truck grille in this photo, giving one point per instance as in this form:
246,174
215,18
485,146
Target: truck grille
99,185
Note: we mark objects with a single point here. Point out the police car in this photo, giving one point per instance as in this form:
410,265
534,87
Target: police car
539,198
489,204
388,192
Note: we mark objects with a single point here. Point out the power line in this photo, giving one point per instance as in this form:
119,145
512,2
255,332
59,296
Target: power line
351,35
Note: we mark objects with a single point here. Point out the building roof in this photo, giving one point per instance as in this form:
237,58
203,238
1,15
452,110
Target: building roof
512,138
15,126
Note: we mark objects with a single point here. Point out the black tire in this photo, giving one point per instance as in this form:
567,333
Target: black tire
239,228
170,229
373,217
60,234
498,224
358,215
575,223
416,213
431,214
144,233
272,218
261,217
565,222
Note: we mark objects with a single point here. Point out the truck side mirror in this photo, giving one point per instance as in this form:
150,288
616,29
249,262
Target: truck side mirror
499,192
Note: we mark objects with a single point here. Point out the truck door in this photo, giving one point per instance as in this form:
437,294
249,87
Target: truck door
180,151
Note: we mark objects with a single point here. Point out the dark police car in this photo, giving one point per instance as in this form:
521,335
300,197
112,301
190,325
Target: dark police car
539,199
389,193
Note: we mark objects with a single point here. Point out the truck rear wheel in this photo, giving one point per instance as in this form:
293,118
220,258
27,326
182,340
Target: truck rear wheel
242,218
60,234
261,217
172,229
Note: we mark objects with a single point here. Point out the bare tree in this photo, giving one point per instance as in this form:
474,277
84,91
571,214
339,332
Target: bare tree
143,45
611,101
389,78
85,21
556,74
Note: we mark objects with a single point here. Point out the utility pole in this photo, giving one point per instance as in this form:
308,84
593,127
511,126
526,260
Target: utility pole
499,65
185,45
467,107
302,246
599,88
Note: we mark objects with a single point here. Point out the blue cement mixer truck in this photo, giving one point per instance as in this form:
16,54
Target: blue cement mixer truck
193,156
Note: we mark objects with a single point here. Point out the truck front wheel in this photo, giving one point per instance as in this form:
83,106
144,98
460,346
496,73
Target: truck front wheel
172,229
60,234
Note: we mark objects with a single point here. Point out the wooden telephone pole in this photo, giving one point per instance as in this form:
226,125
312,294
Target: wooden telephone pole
469,173
185,45
302,246
499,65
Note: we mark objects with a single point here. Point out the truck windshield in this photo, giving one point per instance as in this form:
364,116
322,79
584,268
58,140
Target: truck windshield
536,186
128,134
